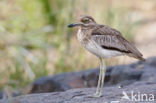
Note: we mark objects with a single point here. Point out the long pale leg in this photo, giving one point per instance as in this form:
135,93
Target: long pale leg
101,79
103,76
99,82
99,88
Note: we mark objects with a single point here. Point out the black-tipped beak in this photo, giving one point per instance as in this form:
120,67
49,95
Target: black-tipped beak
71,25
74,24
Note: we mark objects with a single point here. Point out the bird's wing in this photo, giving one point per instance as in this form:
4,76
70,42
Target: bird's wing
112,39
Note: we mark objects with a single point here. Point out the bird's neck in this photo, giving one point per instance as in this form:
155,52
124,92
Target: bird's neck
83,35
82,32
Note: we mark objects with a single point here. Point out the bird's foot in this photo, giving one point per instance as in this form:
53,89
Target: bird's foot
96,95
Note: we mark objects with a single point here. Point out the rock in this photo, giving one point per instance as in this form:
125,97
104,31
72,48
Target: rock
124,76
46,85
134,79
1,94
134,92
65,81
151,61
116,75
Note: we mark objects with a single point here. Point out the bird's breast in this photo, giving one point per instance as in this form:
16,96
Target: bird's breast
83,37
80,35
93,47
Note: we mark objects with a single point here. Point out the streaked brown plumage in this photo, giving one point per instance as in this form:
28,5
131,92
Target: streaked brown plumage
104,42
112,39
108,38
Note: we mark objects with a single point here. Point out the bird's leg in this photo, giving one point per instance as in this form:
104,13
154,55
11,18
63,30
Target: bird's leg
99,88
103,76
101,79
99,82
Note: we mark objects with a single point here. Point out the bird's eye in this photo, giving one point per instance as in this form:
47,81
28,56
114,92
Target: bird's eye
86,20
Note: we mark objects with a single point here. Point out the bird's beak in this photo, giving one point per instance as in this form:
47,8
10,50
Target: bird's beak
74,24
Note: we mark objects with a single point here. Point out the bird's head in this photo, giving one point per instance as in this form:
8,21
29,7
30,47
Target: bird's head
84,21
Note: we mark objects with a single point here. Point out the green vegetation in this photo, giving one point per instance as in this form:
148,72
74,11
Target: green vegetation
35,40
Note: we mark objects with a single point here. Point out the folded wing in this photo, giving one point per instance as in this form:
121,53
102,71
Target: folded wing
112,39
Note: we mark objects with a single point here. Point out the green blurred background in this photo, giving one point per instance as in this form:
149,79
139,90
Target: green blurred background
35,40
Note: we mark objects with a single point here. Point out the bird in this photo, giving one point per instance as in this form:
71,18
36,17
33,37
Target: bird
103,42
